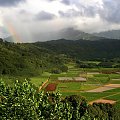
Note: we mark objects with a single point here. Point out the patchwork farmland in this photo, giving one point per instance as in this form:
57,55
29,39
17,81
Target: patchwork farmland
94,84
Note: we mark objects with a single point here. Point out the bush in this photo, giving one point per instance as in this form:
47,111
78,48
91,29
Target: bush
23,102
56,71
64,68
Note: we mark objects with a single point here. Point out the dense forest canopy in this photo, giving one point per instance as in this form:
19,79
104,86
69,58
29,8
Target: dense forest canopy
34,58
83,49
28,59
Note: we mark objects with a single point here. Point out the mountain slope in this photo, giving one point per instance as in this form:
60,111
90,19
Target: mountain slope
68,33
34,58
73,34
9,39
113,34
82,49
27,59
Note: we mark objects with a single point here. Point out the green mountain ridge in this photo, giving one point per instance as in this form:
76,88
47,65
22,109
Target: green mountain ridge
34,58
84,49
27,59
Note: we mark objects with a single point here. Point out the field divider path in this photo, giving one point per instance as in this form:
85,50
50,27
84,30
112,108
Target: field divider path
105,88
43,84
105,97
111,95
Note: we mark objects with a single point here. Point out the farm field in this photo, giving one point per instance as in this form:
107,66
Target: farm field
74,86
39,80
95,79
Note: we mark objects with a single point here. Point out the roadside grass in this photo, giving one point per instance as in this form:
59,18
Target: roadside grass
98,80
116,90
92,81
69,86
37,81
101,75
102,80
115,96
89,96
114,76
114,82
109,69
96,62
118,105
91,69
95,96
70,65
10,80
64,94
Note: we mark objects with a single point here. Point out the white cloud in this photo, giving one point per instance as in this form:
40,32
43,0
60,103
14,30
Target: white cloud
1,19
43,5
86,15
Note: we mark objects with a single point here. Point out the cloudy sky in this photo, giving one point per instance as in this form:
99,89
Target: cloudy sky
33,20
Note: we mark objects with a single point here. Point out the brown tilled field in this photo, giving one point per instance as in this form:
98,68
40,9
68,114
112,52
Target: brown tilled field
51,87
103,101
105,88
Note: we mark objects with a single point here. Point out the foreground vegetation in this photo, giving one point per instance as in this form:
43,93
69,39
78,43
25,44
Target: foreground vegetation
22,102
35,63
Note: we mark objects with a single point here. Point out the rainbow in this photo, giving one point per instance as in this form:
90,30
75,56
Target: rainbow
10,28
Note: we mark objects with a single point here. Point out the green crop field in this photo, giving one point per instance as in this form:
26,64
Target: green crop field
94,96
94,78
115,82
116,90
114,76
74,86
114,96
37,81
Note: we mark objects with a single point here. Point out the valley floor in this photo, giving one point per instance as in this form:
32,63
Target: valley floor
98,85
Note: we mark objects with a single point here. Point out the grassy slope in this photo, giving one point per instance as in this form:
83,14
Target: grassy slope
37,81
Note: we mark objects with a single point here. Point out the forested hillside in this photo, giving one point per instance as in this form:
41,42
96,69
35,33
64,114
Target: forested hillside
85,50
34,58
27,59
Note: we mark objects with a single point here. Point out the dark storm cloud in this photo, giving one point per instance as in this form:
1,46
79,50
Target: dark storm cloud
89,11
49,0
6,3
45,16
111,11
66,2
83,11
